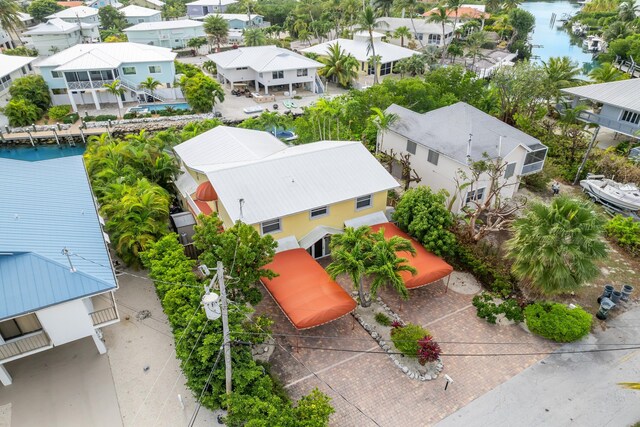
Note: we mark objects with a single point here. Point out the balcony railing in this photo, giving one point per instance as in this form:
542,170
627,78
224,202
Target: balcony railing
532,168
618,126
24,344
103,316
95,84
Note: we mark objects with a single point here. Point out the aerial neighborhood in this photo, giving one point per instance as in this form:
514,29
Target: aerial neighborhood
325,213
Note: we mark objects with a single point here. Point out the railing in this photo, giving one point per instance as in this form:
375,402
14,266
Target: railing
319,85
24,344
532,168
103,316
134,87
627,129
95,84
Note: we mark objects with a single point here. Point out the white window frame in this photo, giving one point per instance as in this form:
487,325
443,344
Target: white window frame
154,67
302,72
57,74
361,198
277,75
313,213
271,223
430,156
474,195
630,117
412,146
124,70
513,171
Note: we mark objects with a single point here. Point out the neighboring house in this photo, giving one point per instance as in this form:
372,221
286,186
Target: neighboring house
172,34
614,105
77,75
465,13
11,68
138,14
78,14
429,33
359,48
303,193
56,279
55,35
205,7
268,67
6,41
443,141
10,39
238,21
97,4
151,4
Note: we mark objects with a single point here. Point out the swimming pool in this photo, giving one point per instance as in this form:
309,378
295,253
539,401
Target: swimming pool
45,152
159,107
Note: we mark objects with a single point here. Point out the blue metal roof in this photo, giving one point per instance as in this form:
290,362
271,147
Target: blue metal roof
47,206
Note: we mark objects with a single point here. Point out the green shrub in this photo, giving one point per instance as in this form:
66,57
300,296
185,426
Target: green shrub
129,116
21,51
406,338
557,322
383,319
489,310
57,112
625,232
88,118
106,117
22,112
486,266
70,119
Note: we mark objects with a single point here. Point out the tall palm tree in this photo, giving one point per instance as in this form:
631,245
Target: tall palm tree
560,72
628,10
556,247
210,67
508,5
367,22
9,18
441,17
384,6
383,122
217,28
386,265
151,85
606,73
475,41
254,37
454,5
339,66
117,91
411,6
402,33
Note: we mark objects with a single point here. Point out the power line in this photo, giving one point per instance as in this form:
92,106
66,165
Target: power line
199,404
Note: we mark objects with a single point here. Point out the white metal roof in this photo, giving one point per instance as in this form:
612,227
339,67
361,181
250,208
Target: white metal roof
9,63
52,26
110,53
156,2
287,243
185,183
24,17
299,178
133,11
623,94
223,144
371,219
421,25
263,59
316,234
360,50
238,16
75,12
164,25
211,2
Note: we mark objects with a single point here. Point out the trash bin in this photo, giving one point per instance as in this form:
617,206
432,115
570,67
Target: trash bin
605,306
615,296
608,289
626,292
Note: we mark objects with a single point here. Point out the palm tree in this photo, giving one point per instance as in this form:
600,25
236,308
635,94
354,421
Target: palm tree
384,6
210,67
475,41
617,30
217,29
454,5
508,5
556,247
387,265
254,37
9,18
560,73
339,66
150,84
402,33
116,90
606,73
383,122
367,22
441,17
454,50
628,10
411,6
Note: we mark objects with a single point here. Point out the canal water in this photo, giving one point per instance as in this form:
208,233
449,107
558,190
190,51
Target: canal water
553,40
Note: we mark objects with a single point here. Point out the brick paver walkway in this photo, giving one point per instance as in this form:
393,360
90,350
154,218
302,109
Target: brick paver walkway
376,386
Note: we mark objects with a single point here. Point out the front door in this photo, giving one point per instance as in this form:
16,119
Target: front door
320,249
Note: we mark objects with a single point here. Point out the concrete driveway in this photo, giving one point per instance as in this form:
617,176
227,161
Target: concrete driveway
66,386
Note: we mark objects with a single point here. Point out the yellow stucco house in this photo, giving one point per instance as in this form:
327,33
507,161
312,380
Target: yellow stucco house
300,194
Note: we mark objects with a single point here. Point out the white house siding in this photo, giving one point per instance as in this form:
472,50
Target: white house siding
172,38
66,322
199,10
48,44
290,77
133,20
238,75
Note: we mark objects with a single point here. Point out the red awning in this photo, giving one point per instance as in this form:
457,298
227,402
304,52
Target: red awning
430,267
304,291
206,192
204,207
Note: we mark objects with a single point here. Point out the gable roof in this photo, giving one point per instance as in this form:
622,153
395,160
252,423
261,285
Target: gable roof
297,179
164,25
133,11
447,130
359,48
263,59
10,63
75,12
48,206
52,26
224,144
238,16
623,94
155,2
422,26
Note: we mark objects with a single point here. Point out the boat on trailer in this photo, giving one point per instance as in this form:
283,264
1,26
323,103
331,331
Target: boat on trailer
609,192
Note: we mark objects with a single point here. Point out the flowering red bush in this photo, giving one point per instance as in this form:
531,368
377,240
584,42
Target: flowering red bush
428,350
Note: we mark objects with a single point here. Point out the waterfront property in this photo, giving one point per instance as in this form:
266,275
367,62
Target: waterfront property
239,21
267,67
614,105
77,14
56,279
171,34
11,68
55,35
206,7
77,75
429,33
465,13
443,141
138,14
151,4
97,4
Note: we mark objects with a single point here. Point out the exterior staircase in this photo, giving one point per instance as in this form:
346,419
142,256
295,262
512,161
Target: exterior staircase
138,90
319,85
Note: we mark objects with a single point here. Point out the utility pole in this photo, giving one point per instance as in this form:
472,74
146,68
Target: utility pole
586,156
225,326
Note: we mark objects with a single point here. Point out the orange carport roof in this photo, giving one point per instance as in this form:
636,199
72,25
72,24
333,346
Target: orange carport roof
304,291
430,267
204,207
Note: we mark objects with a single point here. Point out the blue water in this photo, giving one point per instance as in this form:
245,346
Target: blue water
46,152
556,41
159,107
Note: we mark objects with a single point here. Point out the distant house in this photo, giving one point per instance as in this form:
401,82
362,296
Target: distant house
138,14
77,75
205,7
465,13
238,21
171,34
11,68
151,4
78,14
10,39
97,4
56,278
267,67
359,48
427,32
614,105
443,141
55,35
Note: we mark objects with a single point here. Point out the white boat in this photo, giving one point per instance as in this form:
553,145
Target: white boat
593,44
578,29
253,110
625,196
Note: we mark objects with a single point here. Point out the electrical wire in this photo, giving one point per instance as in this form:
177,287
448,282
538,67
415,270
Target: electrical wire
199,404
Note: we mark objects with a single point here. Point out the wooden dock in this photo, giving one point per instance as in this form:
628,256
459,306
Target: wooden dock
71,136
628,67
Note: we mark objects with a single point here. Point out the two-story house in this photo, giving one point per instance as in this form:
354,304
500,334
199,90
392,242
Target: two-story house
444,141
614,105
171,34
11,68
151,4
138,14
429,33
56,276
77,14
268,67
206,7
77,75
240,21
55,35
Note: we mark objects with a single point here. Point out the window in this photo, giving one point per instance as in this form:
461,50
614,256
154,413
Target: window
411,147
19,326
272,226
80,76
98,75
318,212
510,170
475,195
140,20
630,116
241,68
433,157
155,69
386,68
363,202
278,75
302,72
434,39
128,70
56,74
59,91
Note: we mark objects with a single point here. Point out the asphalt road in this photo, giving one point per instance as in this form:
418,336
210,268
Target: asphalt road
568,389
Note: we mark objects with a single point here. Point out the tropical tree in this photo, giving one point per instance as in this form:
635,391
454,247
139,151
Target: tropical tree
454,50
110,17
606,73
9,18
339,66
522,22
201,92
40,9
197,42
475,41
151,85
628,10
556,247
454,5
22,112
117,91
384,6
508,5
441,17
210,67
560,72
367,22
402,33
32,88
383,122
359,252
617,30
217,28
254,37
